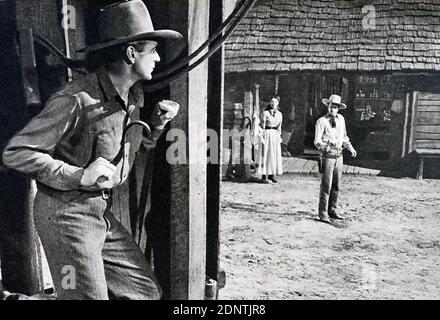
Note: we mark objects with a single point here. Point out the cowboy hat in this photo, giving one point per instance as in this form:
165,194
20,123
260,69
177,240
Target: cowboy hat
336,100
124,22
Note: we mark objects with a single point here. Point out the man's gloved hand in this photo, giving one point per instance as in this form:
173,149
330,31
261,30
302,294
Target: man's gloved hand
98,175
163,112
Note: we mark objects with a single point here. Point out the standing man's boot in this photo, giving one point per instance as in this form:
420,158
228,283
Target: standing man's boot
335,216
324,219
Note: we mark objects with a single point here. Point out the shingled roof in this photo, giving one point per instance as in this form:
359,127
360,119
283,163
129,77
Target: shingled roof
291,35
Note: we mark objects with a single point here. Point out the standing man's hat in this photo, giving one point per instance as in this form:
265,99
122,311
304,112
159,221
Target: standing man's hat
334,99
125,22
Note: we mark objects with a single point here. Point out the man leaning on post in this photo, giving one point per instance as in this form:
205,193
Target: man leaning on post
73,150
331,138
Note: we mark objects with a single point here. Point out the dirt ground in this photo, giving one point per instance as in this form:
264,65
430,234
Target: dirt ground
273,247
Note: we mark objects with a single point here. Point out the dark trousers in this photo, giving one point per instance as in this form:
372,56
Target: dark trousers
330,182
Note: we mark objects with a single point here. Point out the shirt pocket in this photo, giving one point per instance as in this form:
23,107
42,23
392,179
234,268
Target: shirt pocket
105,140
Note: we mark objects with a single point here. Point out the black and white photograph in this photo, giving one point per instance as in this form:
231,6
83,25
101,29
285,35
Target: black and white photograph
229,150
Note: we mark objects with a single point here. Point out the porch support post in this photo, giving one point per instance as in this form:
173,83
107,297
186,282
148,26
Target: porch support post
182,262
215,123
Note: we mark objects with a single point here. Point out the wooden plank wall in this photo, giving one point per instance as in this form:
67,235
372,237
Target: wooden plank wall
425,130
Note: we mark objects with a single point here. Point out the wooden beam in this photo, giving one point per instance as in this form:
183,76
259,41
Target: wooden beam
179,191
305,79
277,84
413,122
245,149
405,126
64,6
257,101
420,168
215,122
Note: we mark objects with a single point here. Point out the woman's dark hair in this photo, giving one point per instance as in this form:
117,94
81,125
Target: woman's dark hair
270,98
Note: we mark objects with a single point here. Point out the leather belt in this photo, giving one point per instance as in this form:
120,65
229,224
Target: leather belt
269,128
330,156
106,194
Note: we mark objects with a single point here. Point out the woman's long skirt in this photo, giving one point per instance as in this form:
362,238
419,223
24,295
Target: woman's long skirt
269,154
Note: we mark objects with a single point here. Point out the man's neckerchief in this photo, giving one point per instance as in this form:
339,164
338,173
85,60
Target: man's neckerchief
332,119
273,112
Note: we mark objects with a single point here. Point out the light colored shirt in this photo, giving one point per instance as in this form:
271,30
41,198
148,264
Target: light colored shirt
327,136
272,119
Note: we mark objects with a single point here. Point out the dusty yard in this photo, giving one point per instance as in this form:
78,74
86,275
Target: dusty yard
388,247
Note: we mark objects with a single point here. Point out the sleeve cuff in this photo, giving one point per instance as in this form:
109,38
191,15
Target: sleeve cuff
73,176
155,135
347,145
150,142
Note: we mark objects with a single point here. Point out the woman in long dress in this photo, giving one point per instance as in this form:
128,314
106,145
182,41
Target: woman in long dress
269,159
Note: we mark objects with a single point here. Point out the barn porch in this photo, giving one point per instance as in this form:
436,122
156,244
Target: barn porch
305,51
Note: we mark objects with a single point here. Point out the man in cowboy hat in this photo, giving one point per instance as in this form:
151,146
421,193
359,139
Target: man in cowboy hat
331,138
77,151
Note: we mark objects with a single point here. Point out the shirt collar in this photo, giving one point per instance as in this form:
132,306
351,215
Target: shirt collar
106,84
328,116
110,91
273,111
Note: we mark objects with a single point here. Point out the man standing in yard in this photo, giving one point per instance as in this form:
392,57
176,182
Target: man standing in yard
331,138
77,150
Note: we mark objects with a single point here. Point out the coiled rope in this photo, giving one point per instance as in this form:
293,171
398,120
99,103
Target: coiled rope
177,67
168,77
236,16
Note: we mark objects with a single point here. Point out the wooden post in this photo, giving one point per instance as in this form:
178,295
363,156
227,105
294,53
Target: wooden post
412,137
188,182
64,5
245,150
257,101
248,104
215,122
405,126
256,115
420,169
277,84
179,190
